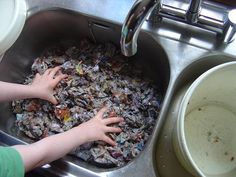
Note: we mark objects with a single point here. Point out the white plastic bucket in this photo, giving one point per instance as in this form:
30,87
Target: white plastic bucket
12,20
205,134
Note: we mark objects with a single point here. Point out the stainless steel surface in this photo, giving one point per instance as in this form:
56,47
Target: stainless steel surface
48,27
193,11
172,11
176,53
165,155
231,27
133,23
205,15
210,16
1,56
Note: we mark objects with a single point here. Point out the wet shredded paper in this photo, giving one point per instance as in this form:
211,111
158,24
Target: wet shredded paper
98,75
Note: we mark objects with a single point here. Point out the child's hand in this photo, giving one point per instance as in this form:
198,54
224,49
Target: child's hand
43,85
96,128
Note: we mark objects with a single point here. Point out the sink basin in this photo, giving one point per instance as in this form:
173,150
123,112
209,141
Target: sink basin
165,154
53,26
172,53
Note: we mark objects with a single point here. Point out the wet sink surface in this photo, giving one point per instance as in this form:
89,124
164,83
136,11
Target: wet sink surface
165,154
166,51
51,27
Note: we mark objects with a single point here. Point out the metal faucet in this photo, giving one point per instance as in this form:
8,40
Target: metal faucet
230,29
133,23
137,15
226,27
193,11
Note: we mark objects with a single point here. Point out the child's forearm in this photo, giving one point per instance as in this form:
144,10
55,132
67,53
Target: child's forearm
10,91
51,148
56,146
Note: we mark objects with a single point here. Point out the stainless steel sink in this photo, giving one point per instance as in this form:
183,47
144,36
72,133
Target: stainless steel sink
165,154
54,26
174,54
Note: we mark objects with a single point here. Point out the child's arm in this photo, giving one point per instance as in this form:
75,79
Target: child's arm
41,87
56,146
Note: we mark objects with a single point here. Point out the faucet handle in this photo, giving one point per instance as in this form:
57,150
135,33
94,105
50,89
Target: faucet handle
230,29
193,11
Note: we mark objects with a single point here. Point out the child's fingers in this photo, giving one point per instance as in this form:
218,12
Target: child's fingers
54,71
101,112
113,129
109,141
59,72
47,72
59,78
53,100
112,120
37,75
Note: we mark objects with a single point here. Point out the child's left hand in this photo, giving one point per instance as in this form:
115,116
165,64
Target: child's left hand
98,127
44,84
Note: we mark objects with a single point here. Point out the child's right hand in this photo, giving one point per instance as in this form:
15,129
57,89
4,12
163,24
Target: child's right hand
96,128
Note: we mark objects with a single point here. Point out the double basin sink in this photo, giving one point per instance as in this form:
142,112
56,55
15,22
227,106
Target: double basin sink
174,58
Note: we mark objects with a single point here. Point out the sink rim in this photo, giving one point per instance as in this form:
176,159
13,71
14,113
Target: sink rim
149,143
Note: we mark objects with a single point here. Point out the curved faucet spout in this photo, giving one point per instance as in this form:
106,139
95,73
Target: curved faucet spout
133,23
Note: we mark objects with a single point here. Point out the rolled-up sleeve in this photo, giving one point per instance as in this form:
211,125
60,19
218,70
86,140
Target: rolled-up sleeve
11,164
